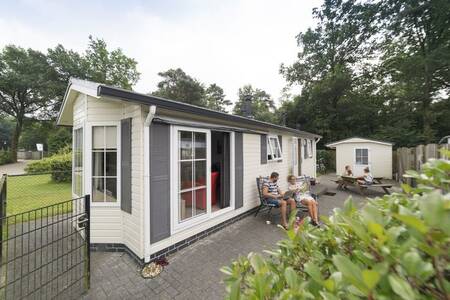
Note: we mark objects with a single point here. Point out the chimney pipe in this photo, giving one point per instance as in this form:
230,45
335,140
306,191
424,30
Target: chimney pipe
247,107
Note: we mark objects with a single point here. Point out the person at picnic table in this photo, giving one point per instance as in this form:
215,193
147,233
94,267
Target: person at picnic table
367,178
302,195
273,195
348,171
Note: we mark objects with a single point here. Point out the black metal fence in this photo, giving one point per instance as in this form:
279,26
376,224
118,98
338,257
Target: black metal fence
44,251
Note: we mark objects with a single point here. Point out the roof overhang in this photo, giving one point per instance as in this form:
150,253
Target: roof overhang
106,92
75,87
356,140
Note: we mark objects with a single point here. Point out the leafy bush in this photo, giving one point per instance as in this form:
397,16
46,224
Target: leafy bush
59,139
326,161
395,247
59,165
5,157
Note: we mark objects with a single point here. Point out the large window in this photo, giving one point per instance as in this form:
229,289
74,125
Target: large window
192,170
104,164
273,148
77,181
362,156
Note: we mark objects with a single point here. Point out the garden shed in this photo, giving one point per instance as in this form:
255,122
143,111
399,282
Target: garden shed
162,173
360,152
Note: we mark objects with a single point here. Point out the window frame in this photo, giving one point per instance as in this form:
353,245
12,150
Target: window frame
177,226
83,154
270,150
362,156
89,147
310,149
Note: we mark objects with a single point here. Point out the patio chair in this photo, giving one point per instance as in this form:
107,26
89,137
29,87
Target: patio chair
307,179
264,205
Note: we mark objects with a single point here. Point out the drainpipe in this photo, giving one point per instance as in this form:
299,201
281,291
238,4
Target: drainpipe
146,183
315,156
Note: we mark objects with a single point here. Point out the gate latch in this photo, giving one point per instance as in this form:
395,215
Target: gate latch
82,221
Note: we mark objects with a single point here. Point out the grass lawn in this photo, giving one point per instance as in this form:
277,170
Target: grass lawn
27,193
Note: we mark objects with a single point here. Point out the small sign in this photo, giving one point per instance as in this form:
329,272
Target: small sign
40,147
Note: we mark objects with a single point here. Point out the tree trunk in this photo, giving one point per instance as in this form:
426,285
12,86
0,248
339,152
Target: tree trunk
15,138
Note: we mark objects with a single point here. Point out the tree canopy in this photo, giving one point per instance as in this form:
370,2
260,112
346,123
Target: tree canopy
179,86
32,83
375,68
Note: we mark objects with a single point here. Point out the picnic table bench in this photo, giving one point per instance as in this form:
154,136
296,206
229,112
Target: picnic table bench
353,181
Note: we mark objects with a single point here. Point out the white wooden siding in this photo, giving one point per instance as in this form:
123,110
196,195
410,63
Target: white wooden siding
111,224
79,112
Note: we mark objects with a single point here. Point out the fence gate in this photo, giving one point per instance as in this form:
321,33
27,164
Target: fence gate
45,251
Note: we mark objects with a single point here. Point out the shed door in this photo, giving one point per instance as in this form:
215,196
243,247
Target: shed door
361,160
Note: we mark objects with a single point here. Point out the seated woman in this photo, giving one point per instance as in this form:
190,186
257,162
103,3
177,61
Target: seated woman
367,178
303,196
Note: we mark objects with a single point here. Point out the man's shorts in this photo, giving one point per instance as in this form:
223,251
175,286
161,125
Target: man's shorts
272,201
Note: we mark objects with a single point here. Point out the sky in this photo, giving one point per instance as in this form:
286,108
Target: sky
230,43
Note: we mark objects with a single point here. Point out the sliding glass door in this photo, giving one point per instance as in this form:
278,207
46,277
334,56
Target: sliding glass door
192,174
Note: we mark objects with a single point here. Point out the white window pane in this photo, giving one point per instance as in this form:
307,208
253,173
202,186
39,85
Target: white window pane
98,190
111,190
111,137
98,137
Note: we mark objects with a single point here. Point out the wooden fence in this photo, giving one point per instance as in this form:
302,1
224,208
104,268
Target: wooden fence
413,158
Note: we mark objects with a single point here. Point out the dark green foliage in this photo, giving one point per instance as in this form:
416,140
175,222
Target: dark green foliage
32,84
326,161
376,69
60,138
177,85
5,157
59,165
395,247
262,105
215,98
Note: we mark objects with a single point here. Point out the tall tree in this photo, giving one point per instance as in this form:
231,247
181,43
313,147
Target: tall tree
329,68
97,63
26,87
215,98
262,104
416,54
179,86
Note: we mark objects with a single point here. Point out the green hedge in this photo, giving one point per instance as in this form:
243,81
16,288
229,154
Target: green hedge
326,161
5,157
59,165
395,247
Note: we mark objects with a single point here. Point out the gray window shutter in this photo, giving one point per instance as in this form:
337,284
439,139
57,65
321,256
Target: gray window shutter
263,149
125,161
159,182
239,170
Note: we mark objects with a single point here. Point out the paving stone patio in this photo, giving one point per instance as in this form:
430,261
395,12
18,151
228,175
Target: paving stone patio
194,272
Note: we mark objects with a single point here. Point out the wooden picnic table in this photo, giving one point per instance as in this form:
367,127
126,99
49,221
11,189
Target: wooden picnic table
353,181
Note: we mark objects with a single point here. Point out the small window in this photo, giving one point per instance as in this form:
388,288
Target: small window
362,156
273,148
104,164
305,148
77,181
294,151
310,152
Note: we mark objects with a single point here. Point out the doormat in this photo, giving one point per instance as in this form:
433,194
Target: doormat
329,193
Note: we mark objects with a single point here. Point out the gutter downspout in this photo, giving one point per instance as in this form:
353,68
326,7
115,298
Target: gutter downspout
315,154
147,124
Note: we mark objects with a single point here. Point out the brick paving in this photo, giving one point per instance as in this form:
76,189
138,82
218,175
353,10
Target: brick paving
194,272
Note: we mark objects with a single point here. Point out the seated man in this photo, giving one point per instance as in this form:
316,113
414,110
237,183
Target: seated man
367,178
272,193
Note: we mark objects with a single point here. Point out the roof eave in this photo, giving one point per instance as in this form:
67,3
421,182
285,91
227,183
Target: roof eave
126,95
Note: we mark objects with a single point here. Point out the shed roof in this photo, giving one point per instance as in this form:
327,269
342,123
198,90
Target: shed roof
98,90
356,140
